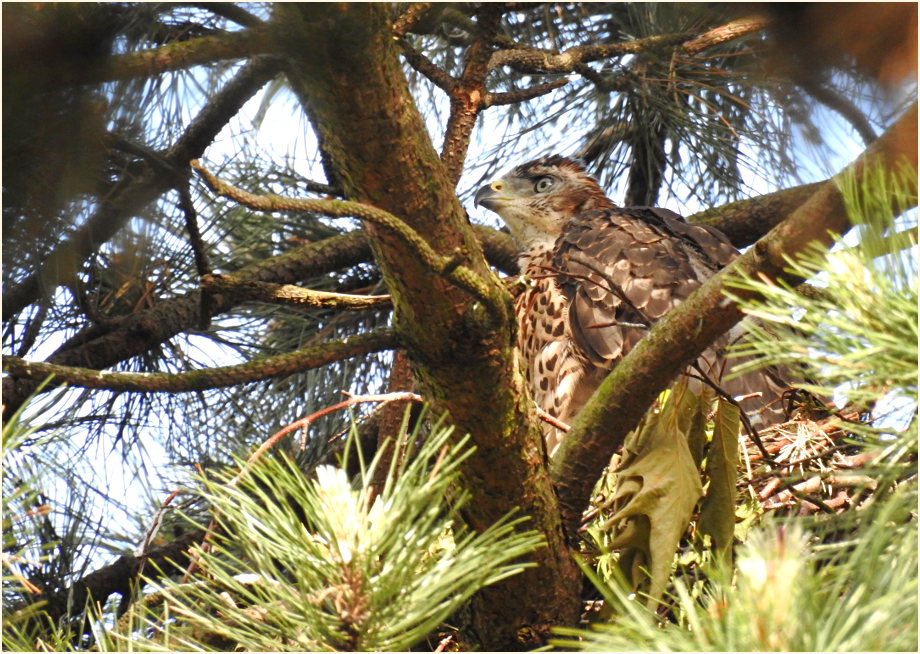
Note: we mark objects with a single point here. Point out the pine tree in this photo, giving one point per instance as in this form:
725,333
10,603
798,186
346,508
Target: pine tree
175,292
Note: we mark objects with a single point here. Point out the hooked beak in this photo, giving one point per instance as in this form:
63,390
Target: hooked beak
489,196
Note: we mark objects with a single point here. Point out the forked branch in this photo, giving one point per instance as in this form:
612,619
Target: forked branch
447,267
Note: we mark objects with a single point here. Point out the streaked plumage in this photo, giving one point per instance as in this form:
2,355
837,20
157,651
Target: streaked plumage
598,276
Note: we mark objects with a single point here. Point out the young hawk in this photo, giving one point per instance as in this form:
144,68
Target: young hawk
598,275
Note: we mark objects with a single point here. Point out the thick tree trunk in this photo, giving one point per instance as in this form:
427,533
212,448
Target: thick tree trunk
348,75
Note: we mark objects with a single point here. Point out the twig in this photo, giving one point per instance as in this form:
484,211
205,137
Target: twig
384,398
407,19
534,60
745,420
522,95
467,95
440,78
553,420
33,327
202,264
152,531
321,188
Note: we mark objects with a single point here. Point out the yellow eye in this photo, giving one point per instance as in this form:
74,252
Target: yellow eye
543,184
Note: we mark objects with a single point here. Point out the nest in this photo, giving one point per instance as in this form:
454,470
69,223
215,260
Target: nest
814,466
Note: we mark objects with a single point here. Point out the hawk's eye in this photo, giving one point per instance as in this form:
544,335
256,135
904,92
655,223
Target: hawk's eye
543,184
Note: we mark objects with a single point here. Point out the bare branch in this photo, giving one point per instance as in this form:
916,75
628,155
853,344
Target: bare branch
522,95
303,423
467,97
727,32
426,67
247,289
745,221
321,188
280,365
407,19
194,234
554,421
623,397
533,60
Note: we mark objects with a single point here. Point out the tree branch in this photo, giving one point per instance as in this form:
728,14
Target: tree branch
229,11
499,249
202,264
440,78
102,346
132,195
280,365
176,55
522,95
745,221
247,289
122,577
447,267
727,32
679,338
837,102
467,97
408,19
221,108
534,60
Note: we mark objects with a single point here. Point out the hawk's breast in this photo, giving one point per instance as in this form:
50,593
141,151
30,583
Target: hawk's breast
592,295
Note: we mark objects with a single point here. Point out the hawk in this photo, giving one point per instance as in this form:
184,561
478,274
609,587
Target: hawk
598,276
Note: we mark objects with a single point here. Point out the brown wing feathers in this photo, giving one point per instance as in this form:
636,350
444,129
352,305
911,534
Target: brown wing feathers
620,274
600,276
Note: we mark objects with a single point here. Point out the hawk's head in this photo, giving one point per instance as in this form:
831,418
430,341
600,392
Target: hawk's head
538,198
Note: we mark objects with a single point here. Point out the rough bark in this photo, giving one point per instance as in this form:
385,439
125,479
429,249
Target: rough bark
745,221
349,77
679,338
